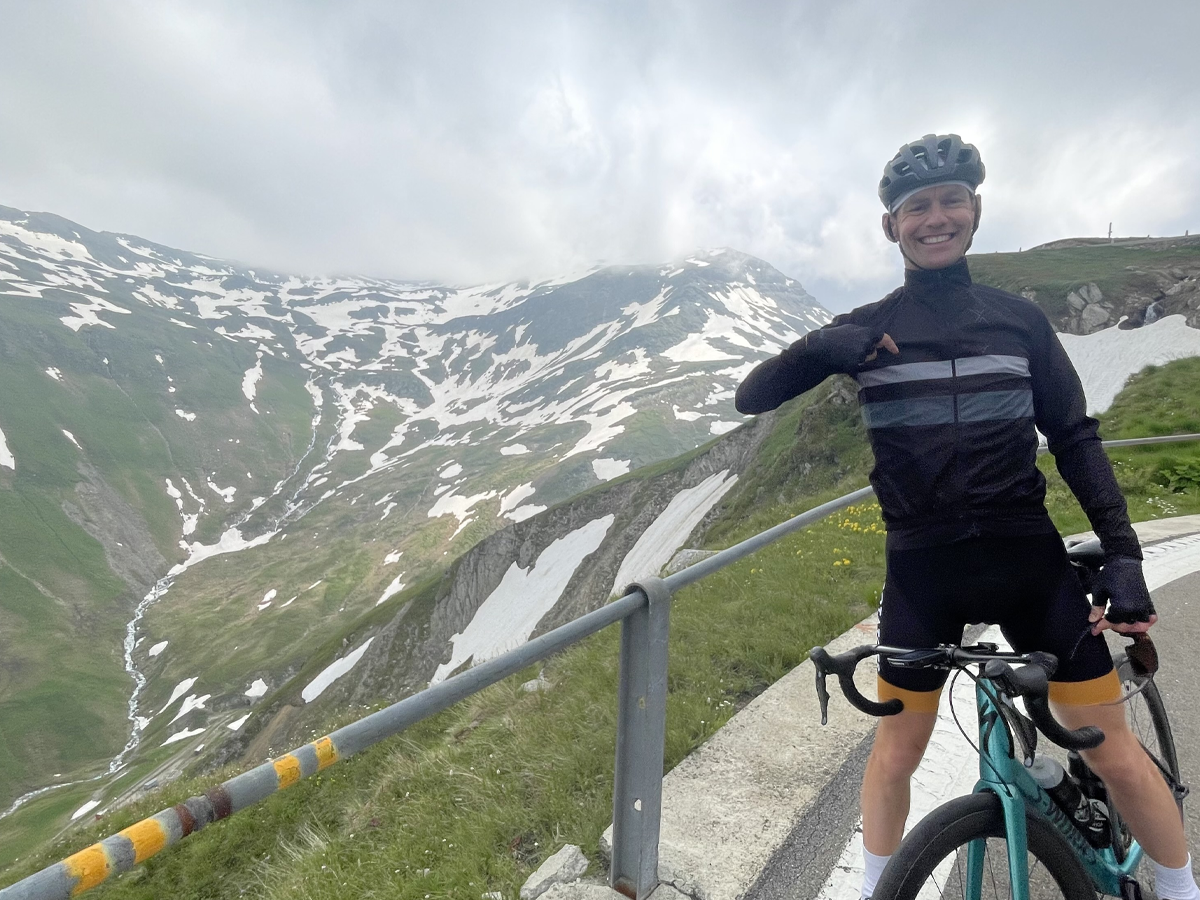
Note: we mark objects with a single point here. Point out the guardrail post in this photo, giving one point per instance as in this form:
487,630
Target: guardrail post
641,731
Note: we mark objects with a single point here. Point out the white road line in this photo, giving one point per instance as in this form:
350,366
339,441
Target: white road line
950,767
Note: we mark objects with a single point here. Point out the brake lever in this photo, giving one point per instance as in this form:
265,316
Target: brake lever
822,695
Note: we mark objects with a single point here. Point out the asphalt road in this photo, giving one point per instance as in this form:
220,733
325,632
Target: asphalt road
800,867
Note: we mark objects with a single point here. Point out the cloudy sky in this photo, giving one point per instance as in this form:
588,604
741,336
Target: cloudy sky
489,140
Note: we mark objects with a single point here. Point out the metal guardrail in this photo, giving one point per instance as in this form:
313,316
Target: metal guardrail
644,613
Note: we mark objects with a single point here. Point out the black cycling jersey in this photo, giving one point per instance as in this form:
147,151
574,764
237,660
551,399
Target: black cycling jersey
952,417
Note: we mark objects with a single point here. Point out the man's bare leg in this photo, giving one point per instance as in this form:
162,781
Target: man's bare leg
900,743
1136,785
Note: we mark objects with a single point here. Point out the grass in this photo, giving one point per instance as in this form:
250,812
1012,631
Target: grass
66,509
1117,270
1159,480
482,793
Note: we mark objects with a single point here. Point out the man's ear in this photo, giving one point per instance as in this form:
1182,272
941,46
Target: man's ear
978,212
889,230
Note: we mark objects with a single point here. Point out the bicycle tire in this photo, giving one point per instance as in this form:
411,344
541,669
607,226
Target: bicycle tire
1147,717
931,860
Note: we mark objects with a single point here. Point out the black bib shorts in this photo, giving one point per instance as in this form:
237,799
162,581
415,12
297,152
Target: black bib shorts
1024,584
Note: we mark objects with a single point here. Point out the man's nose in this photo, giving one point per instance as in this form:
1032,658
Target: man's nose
937,214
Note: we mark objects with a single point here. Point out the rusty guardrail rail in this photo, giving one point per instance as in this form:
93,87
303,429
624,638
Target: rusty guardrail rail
641,725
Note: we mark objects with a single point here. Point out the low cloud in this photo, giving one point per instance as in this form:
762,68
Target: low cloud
471,142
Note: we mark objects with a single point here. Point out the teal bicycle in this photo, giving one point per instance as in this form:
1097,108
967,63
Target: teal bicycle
1010,838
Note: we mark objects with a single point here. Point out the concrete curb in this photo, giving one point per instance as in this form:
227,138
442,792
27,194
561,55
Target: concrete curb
733,802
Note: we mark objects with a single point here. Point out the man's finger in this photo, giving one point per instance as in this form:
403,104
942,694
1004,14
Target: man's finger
1096,614
888,344
1134,627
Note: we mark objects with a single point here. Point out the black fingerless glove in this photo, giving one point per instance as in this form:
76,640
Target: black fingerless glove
842,348
1122,586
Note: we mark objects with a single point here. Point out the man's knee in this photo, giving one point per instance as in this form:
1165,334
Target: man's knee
897,756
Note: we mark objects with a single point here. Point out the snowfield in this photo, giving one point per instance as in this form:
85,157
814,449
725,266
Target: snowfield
1105,359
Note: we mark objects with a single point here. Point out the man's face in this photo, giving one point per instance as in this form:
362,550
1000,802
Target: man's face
934,226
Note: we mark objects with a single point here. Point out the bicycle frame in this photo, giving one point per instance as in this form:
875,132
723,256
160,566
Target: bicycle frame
1003,775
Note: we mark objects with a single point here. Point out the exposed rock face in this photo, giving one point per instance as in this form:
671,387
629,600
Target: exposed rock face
119,528
1149,290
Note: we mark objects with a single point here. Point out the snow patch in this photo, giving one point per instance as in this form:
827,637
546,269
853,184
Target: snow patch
511,612
251,378
180,689
54,373
238,723
457,505
513,498
521,513
667,533
85,313
333,672
85,809
720,427
158,648
6,458
184,414
182,736
190,702
513,450
257,689
71,438
607,469
394,587
392,557
226,493
231,542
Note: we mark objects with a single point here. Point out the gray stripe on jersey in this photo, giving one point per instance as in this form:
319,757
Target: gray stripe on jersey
994,364
904,413
921,371
993,405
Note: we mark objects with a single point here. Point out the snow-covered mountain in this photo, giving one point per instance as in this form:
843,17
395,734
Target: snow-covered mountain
240,462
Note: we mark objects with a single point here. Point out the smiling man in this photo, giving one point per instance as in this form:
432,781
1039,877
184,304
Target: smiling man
955,380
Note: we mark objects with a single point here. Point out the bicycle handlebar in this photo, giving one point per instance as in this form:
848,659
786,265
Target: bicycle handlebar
843,666
1030,681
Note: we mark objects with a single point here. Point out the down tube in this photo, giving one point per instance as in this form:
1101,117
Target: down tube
997,775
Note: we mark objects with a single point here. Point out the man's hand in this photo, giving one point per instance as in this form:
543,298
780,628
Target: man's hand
845,348
1122,587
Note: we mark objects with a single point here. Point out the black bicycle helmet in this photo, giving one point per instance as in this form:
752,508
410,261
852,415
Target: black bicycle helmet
934,159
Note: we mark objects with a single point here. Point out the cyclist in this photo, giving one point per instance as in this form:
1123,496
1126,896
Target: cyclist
954,377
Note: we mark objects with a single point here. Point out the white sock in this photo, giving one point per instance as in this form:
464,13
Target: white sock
1175,884
873,866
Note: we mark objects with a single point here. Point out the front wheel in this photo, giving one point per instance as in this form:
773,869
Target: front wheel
932,860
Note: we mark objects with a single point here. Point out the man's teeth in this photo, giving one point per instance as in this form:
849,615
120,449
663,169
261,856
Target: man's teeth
936,239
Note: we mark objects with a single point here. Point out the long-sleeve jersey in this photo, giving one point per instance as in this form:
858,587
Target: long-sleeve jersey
953,418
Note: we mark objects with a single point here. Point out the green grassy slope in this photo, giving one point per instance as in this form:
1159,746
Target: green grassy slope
475,798
86,525
1129,275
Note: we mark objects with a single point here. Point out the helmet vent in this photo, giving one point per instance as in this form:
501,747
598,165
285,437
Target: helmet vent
932,160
